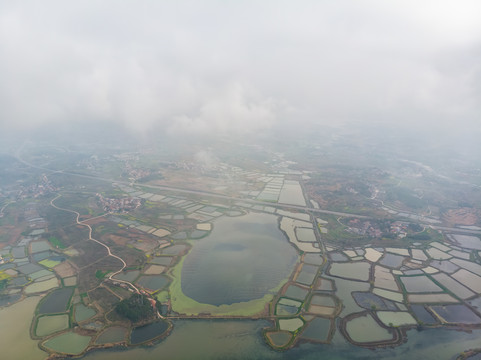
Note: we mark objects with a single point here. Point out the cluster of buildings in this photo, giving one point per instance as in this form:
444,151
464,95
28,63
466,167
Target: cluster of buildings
137,174
364,228
118,205
399,228
43,187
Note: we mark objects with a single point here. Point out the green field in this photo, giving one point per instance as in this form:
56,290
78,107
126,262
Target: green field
56,242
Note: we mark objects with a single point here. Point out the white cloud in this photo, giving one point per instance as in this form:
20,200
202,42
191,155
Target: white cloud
234,67
231,110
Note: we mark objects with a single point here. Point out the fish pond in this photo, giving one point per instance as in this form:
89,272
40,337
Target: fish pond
318,329
356,329
229,339
68,343
47,325
296,292
113,334
153,282
148,332
307,274
83,312
127,275
456,314
279,338
41,286
162,260
56,302
354,270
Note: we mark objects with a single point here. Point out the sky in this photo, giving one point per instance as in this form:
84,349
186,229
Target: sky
208,67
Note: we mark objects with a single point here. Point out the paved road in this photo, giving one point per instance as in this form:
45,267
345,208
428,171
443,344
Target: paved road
197,192
232,198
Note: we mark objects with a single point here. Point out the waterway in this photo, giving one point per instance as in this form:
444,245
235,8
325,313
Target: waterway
15,341
222,339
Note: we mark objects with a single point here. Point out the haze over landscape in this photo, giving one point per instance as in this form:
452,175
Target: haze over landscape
261,180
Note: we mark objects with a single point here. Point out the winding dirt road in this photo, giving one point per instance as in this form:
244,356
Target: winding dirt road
109,252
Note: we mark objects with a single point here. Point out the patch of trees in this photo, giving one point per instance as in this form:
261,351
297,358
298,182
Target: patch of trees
135,308
362,188
151,177
3,284
405,196
421,236
415,227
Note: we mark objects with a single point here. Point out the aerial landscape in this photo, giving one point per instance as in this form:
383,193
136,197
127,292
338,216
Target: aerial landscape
304,187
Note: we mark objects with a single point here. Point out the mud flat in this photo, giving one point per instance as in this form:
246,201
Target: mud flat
431,298
437,254
391,295
305,235
41,286
372,255
419,284
50,324
70,281
112,335
351,270
278,339
383,278
290,324
154,269
452,285
355,329
468,265
289,226
396,318
418,254
291,193
161,233
469,280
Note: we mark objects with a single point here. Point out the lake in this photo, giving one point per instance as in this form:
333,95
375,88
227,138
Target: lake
241,260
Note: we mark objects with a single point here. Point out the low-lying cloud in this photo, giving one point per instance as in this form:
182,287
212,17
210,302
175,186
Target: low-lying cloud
235,67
